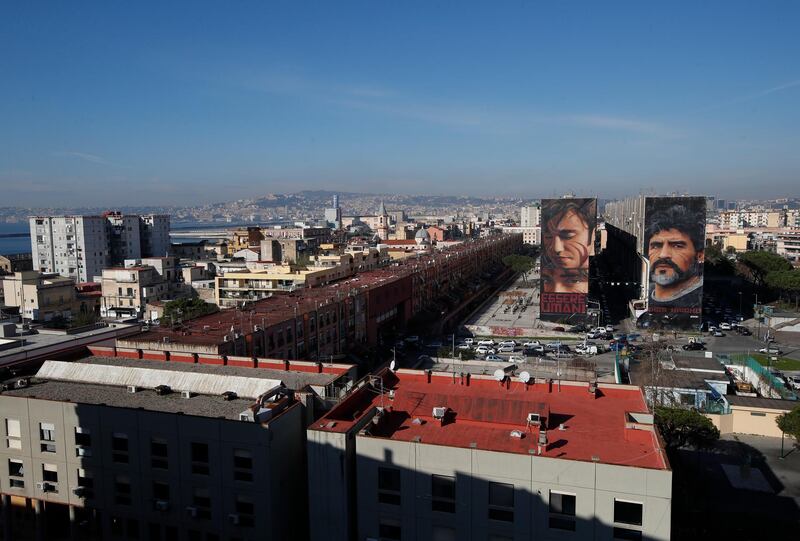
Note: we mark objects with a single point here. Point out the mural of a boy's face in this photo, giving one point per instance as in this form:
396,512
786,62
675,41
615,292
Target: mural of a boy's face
568,241
565,281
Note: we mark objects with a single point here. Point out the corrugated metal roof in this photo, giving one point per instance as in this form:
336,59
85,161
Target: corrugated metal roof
148,378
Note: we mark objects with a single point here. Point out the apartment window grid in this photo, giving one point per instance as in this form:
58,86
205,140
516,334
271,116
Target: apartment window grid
119,448
201,501
16,473
243,465
562,511
389,486
161,492
50,476
13,434
159,453
199,455
83,441
47,437
389,530
501,502
443,493
628,520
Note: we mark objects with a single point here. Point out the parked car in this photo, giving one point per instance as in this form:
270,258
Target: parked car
694,346
794,382
531,344
718,333
552,346
588,349
413,339
511,343
609,328
463,347
593,335
486,342
770,351
516,359
485,350
558,329
505,349
744,331
495,358
535,351
725,326
467,340
434,345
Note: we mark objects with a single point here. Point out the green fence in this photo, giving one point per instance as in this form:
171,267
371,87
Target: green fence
761,371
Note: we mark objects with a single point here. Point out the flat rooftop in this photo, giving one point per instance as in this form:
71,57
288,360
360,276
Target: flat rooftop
200,405
640,373
570,369
482,413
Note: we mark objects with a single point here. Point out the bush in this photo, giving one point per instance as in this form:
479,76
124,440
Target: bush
681,427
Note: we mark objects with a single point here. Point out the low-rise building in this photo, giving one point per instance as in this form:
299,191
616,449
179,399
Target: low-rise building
417,455
127,290
107,449
787,244
11,263
238,287
41,296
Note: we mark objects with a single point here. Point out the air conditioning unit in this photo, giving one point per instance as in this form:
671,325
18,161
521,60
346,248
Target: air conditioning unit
439,412
44,486
83,451
162,505
233,518
79,491
186,394
22,383
534,419
191,511
133,389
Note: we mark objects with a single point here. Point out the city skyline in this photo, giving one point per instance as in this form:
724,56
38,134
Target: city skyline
192,104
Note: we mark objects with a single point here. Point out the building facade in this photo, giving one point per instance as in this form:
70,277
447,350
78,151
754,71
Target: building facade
126,291
40,296
80,247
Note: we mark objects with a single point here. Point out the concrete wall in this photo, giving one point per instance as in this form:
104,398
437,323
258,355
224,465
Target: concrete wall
595,486
748,420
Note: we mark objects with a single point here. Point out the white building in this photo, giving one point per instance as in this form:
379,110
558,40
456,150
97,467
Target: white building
81,247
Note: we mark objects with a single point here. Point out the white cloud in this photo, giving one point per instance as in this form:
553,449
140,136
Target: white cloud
91,158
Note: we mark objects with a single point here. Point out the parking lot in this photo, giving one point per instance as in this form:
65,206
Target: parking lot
515,306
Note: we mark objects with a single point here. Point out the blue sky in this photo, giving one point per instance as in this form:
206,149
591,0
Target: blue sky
114,103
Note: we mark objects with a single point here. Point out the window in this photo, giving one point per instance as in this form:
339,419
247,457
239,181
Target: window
16,471
122,490
242,465
562,511
443,494
159,453
687,399
50,473
501,502
86,482
389,530
160,491
83,441
389,486
199,458
47,433
629,513
246,511
201,500
119,448
443,533
14,434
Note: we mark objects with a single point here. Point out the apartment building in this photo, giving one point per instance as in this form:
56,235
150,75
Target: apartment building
787,244
237,287
103,449
530,216
40,296
127,290
81,247
418,455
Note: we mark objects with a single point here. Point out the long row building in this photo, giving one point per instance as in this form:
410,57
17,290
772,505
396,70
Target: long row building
336,318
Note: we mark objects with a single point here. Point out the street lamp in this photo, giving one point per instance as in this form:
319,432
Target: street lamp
740,303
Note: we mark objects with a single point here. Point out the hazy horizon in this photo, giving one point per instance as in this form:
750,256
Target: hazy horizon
197,102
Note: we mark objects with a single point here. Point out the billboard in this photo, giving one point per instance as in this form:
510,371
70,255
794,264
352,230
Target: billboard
674,241
568,227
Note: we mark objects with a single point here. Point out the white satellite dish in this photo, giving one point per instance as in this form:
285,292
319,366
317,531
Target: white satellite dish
499,374
393,366
524,377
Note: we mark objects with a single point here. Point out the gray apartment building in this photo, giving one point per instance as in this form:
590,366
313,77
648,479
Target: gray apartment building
418,455
110,448
81,247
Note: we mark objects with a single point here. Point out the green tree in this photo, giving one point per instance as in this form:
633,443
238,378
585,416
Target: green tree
520,263
789,423
757,264
681,427
786,282
184,309
716,263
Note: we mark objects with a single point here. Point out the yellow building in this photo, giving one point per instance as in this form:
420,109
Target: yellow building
39,296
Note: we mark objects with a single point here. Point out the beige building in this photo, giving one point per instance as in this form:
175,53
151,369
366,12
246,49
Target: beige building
417,455
40,296
787,244
236,287
127,290
103,449
752,415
